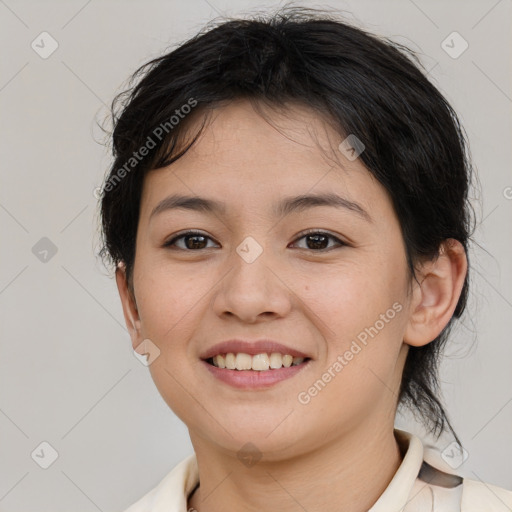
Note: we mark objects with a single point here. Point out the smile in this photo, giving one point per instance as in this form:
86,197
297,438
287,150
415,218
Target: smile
257,362
259,371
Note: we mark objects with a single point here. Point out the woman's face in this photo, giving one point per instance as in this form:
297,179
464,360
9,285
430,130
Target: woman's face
338,295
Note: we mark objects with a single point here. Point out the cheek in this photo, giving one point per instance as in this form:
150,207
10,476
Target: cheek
360,311
167,298
169,304
362,317
347,301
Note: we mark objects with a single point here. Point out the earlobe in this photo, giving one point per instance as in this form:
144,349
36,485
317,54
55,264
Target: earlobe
435,297
130,311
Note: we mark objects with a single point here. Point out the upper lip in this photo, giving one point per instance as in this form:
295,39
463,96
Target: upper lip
251,347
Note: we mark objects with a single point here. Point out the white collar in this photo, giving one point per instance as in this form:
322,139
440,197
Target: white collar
398,492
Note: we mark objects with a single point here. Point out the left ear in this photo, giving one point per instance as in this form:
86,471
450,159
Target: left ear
130,312
435,297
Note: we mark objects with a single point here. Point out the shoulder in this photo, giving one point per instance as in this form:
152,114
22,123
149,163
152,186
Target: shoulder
172,491
482,497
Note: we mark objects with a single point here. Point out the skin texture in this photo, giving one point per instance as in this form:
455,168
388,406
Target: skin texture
338,451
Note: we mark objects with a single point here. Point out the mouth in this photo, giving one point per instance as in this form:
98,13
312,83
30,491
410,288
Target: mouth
251,365
262,362
252,372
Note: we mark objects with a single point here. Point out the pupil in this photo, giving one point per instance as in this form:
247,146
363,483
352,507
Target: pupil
195,245
318,241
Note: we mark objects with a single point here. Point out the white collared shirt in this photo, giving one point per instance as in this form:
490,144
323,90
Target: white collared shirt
416,487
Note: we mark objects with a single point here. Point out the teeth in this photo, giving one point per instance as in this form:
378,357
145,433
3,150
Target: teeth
219,361
243,362
287,360
230,361
259,362
276,360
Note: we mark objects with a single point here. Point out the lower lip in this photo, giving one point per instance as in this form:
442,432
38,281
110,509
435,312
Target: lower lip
253,379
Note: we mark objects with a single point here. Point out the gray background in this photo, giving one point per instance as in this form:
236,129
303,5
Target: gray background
67,372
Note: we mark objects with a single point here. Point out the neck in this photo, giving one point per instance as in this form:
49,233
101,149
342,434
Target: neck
349,474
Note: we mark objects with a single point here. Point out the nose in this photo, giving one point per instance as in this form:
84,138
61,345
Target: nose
253,292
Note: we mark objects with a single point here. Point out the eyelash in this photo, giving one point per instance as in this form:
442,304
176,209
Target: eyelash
303,234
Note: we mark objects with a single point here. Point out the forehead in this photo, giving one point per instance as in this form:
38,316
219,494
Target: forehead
247,157
259,134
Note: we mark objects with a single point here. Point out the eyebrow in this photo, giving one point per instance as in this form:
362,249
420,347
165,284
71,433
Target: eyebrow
284,207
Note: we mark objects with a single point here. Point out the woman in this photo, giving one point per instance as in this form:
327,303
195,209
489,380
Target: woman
288,214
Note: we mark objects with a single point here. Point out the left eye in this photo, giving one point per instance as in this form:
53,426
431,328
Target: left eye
319,241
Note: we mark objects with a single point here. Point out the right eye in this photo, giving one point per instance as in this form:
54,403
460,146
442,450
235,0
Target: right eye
192,241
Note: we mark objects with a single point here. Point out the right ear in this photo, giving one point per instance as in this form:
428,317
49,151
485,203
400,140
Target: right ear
131,314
